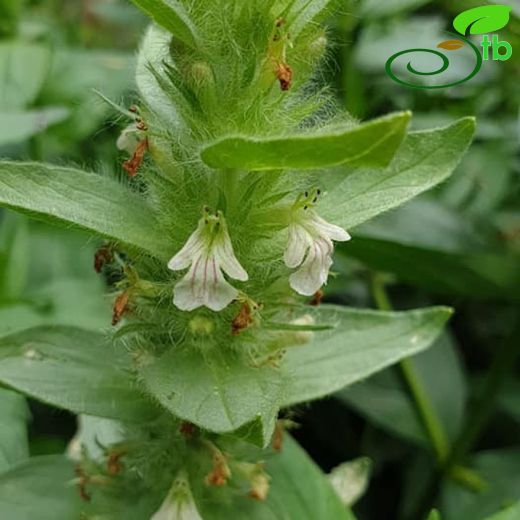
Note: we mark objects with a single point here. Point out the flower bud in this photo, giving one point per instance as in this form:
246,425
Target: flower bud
201,75
257,477
317,48
200,326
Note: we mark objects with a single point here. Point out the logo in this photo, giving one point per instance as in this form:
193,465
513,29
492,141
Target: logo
477,21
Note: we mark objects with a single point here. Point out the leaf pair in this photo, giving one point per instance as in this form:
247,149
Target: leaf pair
105,208
77,370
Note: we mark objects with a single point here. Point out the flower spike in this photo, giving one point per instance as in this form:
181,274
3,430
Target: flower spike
209,254
310,245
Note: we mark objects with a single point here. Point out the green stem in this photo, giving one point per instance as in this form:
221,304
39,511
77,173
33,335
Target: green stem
420,399
424,409
482,410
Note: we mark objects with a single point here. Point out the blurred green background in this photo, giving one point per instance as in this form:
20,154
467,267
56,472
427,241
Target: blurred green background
458,245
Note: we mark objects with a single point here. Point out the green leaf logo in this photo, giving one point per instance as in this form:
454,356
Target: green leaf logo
482,20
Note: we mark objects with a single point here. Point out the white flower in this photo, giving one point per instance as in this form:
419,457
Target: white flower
129,139
210,254
310,245
179,503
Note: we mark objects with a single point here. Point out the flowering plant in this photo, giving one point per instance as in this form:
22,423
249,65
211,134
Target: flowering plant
242,174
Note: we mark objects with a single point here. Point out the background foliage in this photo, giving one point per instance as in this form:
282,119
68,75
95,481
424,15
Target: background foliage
456,246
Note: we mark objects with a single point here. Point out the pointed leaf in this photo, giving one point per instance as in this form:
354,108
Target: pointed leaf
85,200
480,20
385,403
424,160
369,144
73,369
300,488
171,15
362,343
216,393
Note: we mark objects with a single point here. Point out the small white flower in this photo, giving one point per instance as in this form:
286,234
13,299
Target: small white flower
179,503
310,245
210,254
129,139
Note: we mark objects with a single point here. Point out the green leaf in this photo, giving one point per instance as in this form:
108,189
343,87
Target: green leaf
472,189
19,126
155,49
14,445
75,370
298,490
481,276
511,513
171,15
369,144
480,20
499,468
384,402
85,200
23,68
215,393
434,515
40,488
449,259
424,160
362,343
